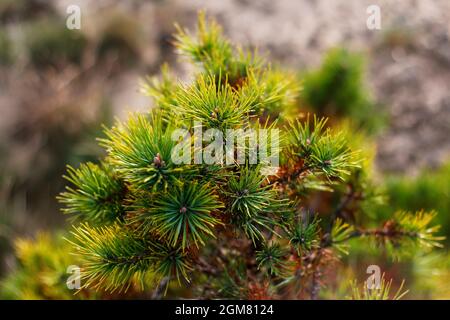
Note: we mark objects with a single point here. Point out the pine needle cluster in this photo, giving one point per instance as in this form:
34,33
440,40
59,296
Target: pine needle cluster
228,229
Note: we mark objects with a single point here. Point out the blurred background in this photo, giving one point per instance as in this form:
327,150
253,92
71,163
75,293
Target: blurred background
58,86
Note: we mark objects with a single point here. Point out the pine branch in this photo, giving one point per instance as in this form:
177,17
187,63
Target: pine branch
272,257
185,216
400,235
381,293
97,194
213,104
115,258
215,54
140,151
238,228
251,204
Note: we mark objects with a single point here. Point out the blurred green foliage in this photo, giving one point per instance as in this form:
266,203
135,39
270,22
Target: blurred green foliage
47,266
120,38
6,49
337,89
429,190
42,271
5,236
50,43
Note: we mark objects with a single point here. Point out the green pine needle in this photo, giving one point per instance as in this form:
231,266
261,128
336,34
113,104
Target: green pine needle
304,235
140,150
185,215
272,257
340,233
381,293
113,257
321,150
214,105
409,232
96,195
210,49
253,206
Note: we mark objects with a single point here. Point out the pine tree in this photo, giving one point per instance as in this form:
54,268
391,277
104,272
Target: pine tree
228,230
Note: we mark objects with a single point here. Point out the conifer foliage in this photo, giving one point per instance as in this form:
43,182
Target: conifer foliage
228,230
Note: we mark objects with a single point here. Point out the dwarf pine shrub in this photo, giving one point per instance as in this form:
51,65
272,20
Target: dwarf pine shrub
264,219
